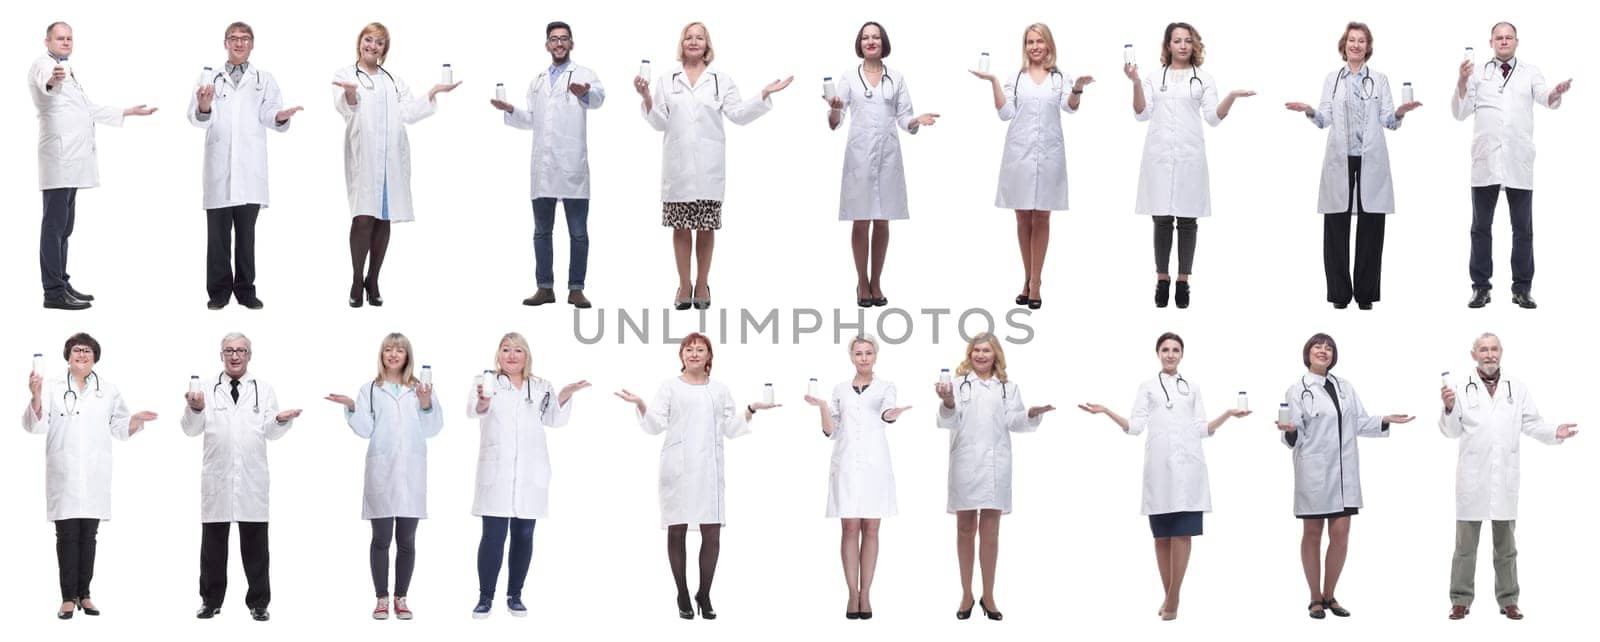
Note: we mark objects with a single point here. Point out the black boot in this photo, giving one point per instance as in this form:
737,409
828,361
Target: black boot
1181,297
1163,291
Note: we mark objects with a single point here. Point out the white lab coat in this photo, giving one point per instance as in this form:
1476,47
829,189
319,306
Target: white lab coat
1490,429
986,413
1033,168
1173,177
77,450
377,154
1502,123
694,151
513,459
395,479
1327,463
66,128
559,121
1377,187
234,479
874,183
1175,476
236,137
860,475
696,419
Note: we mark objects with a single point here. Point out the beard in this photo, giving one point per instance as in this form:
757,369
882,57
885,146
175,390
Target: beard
1489,369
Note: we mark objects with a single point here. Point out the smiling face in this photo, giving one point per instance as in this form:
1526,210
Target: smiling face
982,356
695,45
239,43
695,356
1037,47
372,46
1321,357
236,357
80,360
1504,41
59,41
1171,354
871,42
559,43
864,356
1486,351
1356,46
513,360
395,359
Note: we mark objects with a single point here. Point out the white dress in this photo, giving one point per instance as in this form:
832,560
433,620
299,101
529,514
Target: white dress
986,413
695,418
1173,177
1033,168
1175,477
874,183
860,476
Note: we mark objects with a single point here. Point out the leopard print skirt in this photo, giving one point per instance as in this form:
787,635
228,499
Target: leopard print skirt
692,215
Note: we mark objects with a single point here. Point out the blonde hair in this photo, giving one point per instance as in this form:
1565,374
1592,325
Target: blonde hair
518,341
999,356
710,53
400,341
1049,43
378,28
1197,54
862,338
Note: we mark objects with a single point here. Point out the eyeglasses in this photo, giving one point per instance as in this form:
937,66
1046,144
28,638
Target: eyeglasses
82,350
234,40
559,40
235,352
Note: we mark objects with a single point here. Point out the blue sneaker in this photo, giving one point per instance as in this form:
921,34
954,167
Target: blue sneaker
481,611
514,604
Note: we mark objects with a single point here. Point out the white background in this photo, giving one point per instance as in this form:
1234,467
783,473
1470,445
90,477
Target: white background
1076,557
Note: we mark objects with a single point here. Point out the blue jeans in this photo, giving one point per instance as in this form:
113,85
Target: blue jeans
492,546
544,221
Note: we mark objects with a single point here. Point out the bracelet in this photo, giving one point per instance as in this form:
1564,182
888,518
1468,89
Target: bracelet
1077,92
750,410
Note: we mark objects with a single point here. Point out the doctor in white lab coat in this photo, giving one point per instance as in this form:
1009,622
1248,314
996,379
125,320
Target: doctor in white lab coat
861,491
872,191
1174,182
696,414
688,105
981,408
1358,106
238,414
513,408
1325,418
1499,95
376,107
236,105
1177,491
559,101
1033,167
396,413
79,415
1489,413
67,159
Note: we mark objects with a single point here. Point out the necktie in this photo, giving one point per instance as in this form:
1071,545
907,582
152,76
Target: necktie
235,391
1505,69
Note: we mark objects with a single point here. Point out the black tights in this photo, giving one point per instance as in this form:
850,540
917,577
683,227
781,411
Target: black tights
367,235
678,557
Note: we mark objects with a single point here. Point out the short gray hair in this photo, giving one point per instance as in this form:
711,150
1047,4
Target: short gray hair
1488,335
235,336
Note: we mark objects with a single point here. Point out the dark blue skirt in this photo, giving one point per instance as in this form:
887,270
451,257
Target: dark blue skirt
1180,524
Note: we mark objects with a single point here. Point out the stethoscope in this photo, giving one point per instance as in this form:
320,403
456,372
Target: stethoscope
1057,81
221,75
861,73
965,390
527,388
1473,391
73,394
546,74
1182,386
1194,79
1368,89
255,399
1308,399
372,392
716,82
1490,67
366,79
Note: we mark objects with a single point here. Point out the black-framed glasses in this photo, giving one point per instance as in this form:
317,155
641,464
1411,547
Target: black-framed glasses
559,40
240,39
233,352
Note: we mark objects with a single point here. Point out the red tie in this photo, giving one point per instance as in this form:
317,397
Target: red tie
1505,69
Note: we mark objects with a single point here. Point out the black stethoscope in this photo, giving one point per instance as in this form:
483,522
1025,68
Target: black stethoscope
1368,89
1182,386
1473,391
366,79
862,74
255,400
372,392
527,388
222,75
1194,79
1057,81
966,389
1308,399
73,394
716,82
1490,67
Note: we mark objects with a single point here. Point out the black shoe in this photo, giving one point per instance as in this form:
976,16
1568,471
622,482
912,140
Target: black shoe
1332,605
993,615
681,303
703,604
78,295
1480,298
252,303
1163,292
1034,304
962,614
260,614
1341,305
881,301
865,615
1524,300
515,606
66,302
64,615
208,612
373,298
1181,295
865,303
87,610
1364,306
1022,299
704,304
852,615
685,608
216,304
541,297
355,294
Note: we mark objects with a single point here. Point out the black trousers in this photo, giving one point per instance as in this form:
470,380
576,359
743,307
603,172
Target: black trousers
214,563
75,556
1368,275
231,237
403,532
1188,231
1481,266
60,213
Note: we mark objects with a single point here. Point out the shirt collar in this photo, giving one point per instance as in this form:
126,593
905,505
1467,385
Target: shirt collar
556,70
1315,379
242,67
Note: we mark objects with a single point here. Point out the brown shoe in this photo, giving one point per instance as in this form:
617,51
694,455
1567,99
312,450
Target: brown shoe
1458,611
577,299
541,297
1511,612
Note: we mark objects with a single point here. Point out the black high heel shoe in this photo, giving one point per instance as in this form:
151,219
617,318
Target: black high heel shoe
704,304
680,303
355,294
373,298
64,615
685,609
704,606
87,610
1022,299
993,615
1034,304
962,614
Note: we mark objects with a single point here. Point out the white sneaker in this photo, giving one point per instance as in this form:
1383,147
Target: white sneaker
381,612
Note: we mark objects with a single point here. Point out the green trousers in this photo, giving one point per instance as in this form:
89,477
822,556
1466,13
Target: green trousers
1465,563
